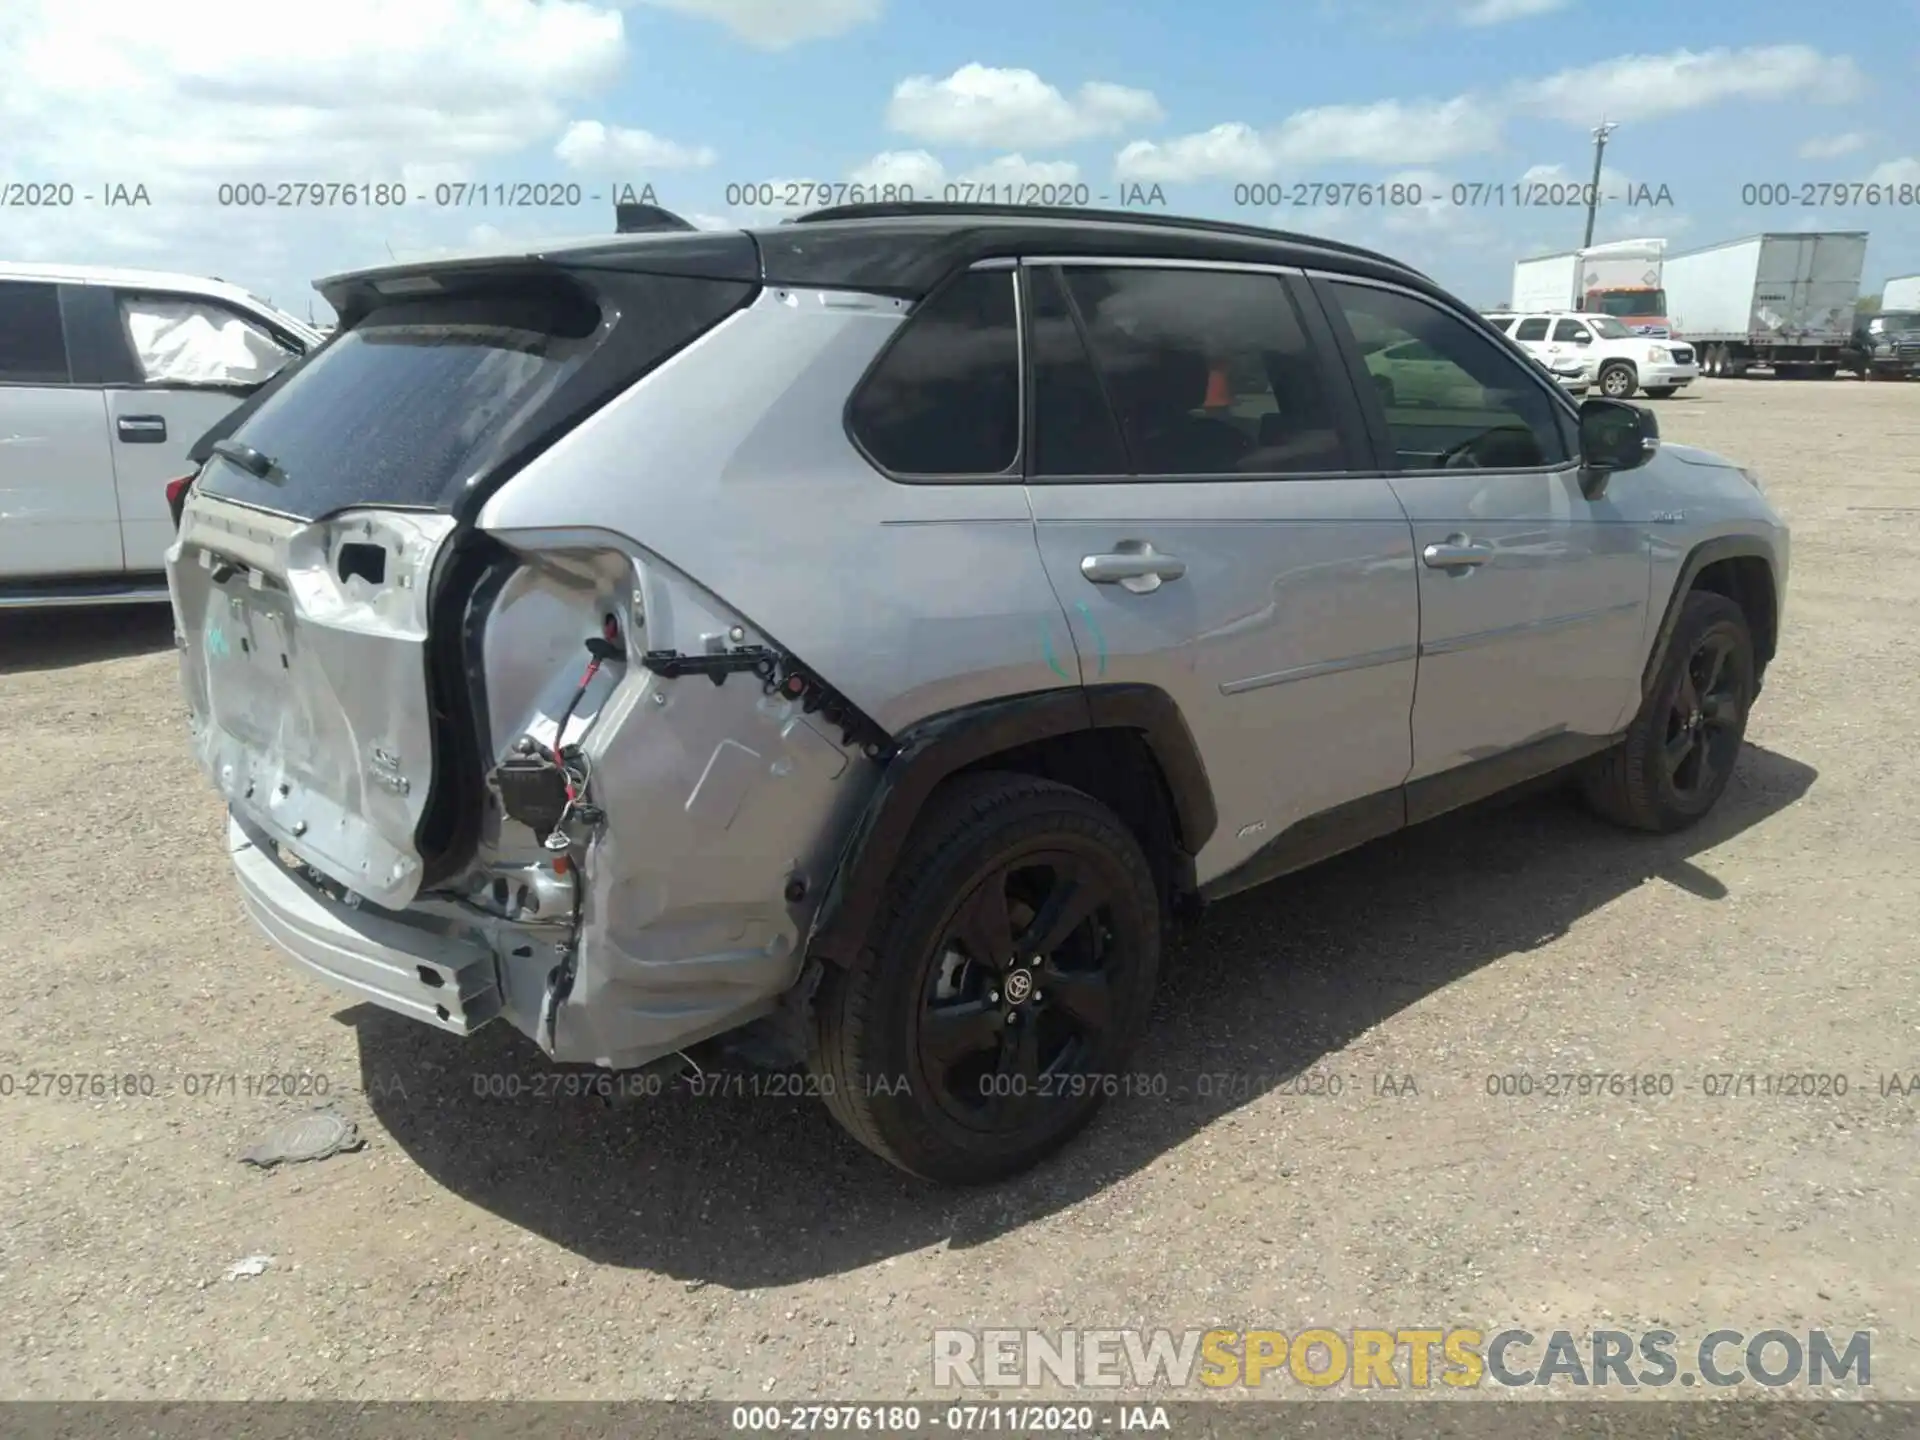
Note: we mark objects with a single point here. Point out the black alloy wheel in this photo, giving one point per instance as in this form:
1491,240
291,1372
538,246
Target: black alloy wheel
1707,718
1020,997
1006,979
1677,756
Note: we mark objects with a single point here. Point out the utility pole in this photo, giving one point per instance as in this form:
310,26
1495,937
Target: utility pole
1600,134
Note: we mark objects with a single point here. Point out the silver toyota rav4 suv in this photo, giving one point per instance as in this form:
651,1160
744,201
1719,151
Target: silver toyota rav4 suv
864,632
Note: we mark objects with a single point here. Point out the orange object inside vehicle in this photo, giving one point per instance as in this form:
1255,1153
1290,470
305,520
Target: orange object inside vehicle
1219,393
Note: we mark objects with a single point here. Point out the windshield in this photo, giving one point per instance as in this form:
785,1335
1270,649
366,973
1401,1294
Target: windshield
1631,302
1610,329
1896,320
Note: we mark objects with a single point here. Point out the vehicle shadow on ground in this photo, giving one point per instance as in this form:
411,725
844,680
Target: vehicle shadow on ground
55,639
746,1191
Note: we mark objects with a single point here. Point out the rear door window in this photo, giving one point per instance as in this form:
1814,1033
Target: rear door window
422,397
1531,330
1209,371
943,401
33,346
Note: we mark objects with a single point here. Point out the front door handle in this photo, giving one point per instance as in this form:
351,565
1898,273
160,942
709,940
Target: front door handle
142,429
1457,552
1135,565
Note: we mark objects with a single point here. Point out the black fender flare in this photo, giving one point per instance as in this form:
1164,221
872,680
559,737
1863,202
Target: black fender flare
940,746
1707,552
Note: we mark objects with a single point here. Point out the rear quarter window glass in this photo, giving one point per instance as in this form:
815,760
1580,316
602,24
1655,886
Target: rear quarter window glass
421,397
944,399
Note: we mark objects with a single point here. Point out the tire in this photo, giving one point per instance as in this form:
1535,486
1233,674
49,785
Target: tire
1617,380
931,1095
1664,392
1637,784
1713,363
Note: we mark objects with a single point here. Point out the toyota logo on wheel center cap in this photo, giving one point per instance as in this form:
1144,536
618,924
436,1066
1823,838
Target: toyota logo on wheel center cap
1019,985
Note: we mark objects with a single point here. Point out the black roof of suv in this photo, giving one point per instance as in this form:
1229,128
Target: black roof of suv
907,249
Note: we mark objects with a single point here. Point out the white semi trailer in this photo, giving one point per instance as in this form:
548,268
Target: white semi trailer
1901,293
1784,301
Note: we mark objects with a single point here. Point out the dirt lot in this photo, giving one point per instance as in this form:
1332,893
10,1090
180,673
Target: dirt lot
743,1249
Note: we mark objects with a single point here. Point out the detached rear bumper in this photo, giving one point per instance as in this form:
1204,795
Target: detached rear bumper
397,962
431,966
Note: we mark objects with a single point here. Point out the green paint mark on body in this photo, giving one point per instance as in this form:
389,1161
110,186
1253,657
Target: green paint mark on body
1046,643
1099,639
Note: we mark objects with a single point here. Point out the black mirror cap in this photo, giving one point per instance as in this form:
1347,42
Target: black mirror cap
1615,435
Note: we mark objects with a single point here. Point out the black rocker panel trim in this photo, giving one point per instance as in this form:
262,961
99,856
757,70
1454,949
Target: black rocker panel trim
1346,826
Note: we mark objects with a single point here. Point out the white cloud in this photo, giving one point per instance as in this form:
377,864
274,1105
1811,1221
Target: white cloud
1828,147
588,144
1410,232
1018,171
1648,87
927,179
183,97
778,24
987,106
1389,132
1232,151
1904,171
915,170
1436,213
1499,12
1386,132
1430,132
1613,183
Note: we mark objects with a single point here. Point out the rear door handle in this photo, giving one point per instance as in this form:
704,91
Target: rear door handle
1457,552
141,429
1133,564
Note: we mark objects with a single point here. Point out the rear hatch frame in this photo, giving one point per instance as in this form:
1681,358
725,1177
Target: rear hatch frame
348,726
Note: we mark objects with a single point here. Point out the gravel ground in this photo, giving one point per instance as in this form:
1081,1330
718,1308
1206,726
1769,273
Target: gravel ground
741,1248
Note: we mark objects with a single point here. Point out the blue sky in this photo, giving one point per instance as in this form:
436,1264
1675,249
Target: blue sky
1446,101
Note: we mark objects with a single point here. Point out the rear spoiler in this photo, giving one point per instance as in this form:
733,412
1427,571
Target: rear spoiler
639,219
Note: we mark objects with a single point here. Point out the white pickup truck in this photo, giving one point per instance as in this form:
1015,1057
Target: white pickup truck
107,378
1618,361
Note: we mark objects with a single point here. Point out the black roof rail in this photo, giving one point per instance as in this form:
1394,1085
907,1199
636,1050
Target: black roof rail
935,210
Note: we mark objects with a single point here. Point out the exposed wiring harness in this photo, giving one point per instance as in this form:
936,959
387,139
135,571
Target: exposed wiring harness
576,769
576,776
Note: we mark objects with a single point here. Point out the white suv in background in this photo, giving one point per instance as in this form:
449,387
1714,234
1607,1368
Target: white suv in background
1618,362
107,377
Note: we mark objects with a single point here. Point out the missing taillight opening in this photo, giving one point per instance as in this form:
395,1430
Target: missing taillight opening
177,496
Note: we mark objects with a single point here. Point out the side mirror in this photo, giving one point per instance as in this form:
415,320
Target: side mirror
1583,338
1614,436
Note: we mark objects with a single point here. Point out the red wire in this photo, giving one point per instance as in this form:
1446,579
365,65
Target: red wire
593,669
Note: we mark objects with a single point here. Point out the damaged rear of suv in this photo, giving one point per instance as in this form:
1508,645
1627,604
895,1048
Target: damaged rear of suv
512,625
419,675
